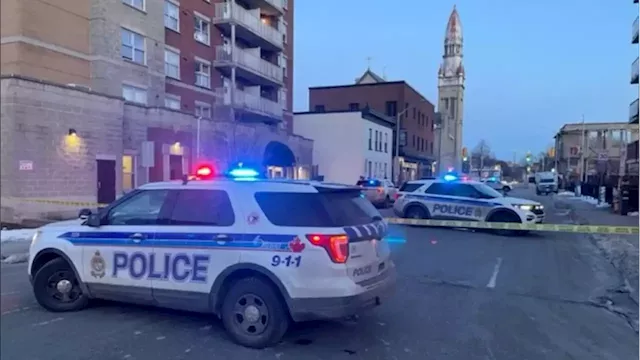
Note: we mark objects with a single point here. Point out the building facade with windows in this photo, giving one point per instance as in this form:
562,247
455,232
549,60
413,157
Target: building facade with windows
195,78
349,143
397,100
632,147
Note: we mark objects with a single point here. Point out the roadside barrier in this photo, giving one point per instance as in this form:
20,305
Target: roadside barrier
585,229
568,228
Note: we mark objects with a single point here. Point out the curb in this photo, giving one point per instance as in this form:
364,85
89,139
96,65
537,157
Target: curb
16,258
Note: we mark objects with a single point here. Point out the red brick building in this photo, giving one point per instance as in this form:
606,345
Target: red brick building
396,99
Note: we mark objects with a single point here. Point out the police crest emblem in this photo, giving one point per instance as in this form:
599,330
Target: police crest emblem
478,212
98,265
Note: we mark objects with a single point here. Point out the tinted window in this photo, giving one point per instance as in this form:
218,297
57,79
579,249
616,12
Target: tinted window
463,190
439,189
487,192
202,208
324,209
369,183
409,187
142,208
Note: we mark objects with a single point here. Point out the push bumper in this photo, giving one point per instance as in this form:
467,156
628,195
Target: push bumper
308,309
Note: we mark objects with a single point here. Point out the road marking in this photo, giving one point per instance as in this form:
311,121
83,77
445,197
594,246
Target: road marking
15,311
9,293
48,321
494,276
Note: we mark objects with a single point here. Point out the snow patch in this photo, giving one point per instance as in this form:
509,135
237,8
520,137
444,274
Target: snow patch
16,235
566,193
622,251
635,213
16,258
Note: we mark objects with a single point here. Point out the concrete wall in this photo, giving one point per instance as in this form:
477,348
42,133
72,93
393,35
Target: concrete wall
36,117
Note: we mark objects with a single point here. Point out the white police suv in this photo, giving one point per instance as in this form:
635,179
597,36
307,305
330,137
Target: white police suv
256,253
452,199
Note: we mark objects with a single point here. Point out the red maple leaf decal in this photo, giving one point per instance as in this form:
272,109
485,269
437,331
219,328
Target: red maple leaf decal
296,245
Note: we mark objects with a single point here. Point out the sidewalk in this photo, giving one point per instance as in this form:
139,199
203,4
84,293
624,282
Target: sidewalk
623,251
14,245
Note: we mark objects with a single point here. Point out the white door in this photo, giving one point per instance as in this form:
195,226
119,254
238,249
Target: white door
118,254
195,245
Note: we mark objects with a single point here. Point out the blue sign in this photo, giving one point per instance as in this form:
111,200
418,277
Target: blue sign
178,267
449,209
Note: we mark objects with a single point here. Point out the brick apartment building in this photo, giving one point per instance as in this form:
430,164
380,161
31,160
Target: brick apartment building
632,148
170,70
395,99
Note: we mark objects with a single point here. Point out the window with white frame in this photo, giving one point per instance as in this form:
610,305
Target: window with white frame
138,4
172,102
203,110
283,64
203,74
171,16
133,47
283,29
171,64
202,30
134,94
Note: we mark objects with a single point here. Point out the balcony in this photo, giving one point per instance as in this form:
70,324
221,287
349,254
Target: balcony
632,152
271,7
266,110
634,32
249,67
249,26
633,112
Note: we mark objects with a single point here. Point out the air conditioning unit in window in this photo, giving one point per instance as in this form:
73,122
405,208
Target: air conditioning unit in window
81,87
200,37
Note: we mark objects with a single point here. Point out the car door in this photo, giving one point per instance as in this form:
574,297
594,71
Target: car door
116,254
466,202
194,246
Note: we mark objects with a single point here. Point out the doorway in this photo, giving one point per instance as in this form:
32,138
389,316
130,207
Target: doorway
175,167
106,181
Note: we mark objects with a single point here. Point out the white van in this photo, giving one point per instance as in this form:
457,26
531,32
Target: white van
546,182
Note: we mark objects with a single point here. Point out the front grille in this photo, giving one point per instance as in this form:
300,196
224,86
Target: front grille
537,211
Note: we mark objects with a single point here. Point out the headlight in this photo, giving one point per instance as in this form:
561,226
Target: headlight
35,237
524,207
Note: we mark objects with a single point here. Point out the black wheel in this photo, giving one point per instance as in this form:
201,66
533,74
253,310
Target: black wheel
57,289
415,212
254,314
387,202
505,217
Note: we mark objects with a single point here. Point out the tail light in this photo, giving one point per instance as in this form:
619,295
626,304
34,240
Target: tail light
380,190
337,246
397,196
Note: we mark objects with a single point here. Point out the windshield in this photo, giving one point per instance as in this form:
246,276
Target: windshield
488,191
369,183
546,180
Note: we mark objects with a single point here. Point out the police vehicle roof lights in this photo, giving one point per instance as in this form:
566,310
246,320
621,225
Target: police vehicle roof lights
243,173
450,177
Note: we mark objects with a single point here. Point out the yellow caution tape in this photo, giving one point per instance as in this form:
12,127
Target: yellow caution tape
63,202
585,229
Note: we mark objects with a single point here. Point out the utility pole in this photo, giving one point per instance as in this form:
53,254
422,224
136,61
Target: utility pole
481,158
583,167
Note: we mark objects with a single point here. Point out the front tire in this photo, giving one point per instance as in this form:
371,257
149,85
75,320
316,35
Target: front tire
57,289
416,212
254,314
387,202
505,217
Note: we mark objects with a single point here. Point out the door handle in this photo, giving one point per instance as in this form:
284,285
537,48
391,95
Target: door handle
137,237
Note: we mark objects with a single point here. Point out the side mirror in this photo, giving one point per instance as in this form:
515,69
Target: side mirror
93,220
84,214
506,190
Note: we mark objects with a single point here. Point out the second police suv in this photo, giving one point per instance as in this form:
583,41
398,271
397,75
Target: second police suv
256,253
450,198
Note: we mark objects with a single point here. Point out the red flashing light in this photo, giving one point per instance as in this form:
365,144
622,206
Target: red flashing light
204,171
337,246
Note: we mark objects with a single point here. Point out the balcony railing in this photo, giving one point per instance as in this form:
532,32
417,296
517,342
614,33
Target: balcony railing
249,102
634,32
231,12
634,72
633,112
632,151
249,61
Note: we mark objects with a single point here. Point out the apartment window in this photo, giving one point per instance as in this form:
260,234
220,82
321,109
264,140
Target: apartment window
138,4
132,48
370,140
172,64
385,175
414,113
320,108
283,64
377,137
386,139
413,141
172,102
431,150
391,108
171,16
203,74
128,173
354,106
369,168
285,4
203,110
134,94
202,30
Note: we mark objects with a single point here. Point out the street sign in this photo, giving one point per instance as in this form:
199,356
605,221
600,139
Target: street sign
26,165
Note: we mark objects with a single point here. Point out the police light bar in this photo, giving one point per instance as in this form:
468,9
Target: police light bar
204,171
243,173
450,177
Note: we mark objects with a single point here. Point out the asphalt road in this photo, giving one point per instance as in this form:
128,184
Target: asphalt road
461,295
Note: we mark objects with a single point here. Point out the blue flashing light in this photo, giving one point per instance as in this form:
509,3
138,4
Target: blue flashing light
372,182
492,178
244,173
450,177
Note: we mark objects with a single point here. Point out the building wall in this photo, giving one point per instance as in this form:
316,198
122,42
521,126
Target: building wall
64,167
338,98
341,145
46,39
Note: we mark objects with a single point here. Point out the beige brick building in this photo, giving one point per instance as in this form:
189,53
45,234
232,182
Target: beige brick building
67,130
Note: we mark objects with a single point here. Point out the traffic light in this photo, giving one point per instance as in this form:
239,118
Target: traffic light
528,157
464,154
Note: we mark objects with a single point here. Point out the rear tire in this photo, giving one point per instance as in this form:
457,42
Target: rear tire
57,289
387,202
254,314
416,212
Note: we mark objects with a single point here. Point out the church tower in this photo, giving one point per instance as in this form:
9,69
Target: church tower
451,96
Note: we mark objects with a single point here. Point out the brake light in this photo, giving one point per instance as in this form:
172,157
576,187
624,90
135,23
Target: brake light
380,190
337,246
397,196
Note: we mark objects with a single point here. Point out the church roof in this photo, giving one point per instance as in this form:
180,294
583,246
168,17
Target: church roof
372,75
454,27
